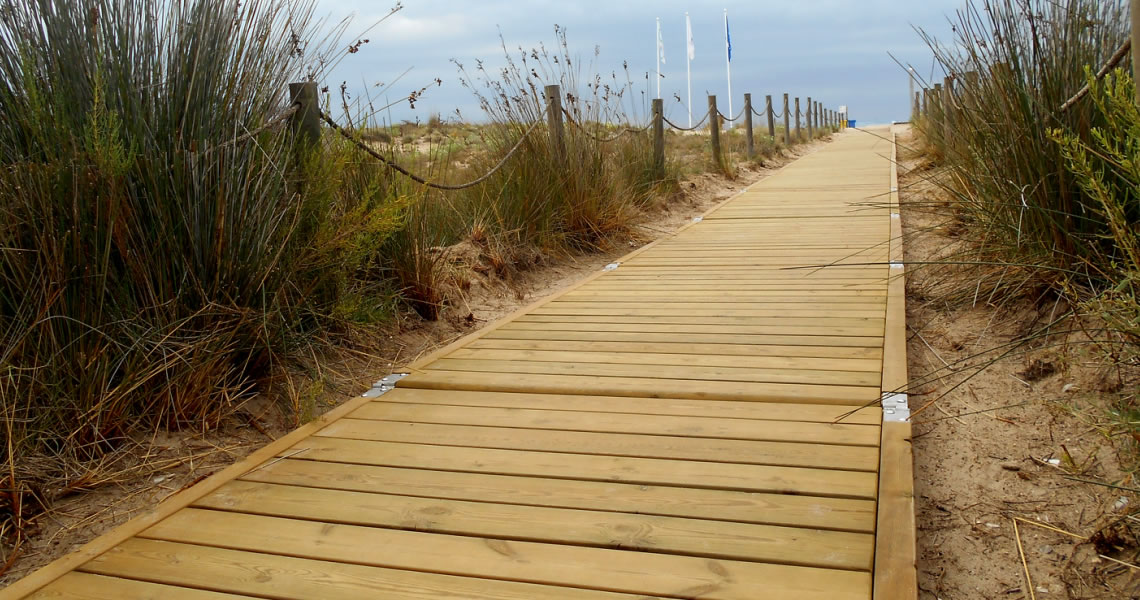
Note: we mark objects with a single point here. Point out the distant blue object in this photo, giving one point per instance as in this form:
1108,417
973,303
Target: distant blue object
851,122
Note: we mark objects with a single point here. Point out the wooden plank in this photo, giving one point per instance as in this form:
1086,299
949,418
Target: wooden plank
666,426
646,471
733,451
641,387
654,325
896,574
685,296
896,555
592,568
808,345
807,324
668,535
692,373
861,355
602,355
84,586
704,409
269,575
782,311
808,512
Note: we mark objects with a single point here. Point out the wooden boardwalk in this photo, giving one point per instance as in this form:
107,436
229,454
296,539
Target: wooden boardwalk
685,425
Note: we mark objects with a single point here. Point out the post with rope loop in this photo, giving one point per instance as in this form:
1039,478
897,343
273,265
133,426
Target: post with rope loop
658,139
799,138
305,122
553,94
818,114
748,124
787,123
771,118
714,131
811,130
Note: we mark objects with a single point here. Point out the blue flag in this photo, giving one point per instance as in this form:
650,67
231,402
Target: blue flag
727,37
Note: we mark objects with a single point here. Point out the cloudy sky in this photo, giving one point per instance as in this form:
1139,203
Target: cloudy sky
833,50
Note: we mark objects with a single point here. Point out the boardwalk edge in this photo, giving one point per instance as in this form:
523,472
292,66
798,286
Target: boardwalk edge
896,575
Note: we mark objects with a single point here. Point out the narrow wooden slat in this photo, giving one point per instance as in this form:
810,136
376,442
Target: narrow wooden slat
647,471
808,512
711,409
283,577
653,325
696,373
635,387
593,568
669,535
711,359
784,454
691,427
84,586
810,345
861,356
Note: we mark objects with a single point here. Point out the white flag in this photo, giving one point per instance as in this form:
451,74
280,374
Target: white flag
689,36
660,44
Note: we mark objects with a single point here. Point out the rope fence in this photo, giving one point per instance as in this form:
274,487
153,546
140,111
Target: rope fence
693,128
601,140
416,178
304,116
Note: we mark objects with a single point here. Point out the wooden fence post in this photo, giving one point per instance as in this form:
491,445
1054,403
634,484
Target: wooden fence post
926,102
787,123
811,131
818,114
748,125
948,101
658,139
306,121
971,90
714,131
799,138
917,107
936,101
771,119
553,96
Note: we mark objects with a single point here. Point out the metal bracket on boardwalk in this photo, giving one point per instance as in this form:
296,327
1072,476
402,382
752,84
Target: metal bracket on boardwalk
896,407
384,386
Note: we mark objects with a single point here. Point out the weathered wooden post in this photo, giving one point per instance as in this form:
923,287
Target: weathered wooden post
970,93
926,102
787,123
714,131
818,115
748,125
799,138
306,121
948,102
917,107
811,132
658,139
771,118
936,100
553,96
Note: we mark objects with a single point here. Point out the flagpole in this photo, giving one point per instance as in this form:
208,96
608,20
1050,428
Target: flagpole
728,59
658,58
689,64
